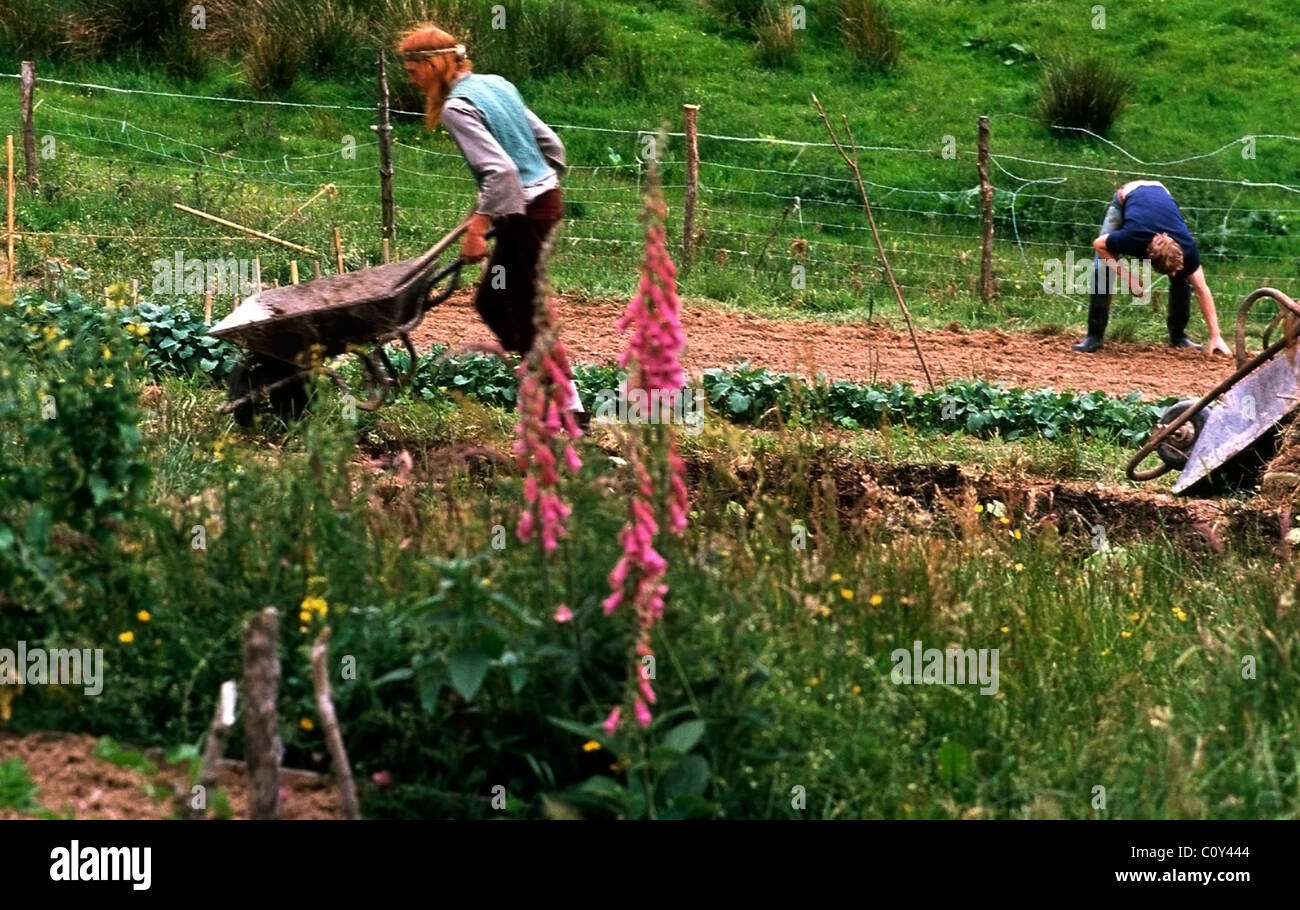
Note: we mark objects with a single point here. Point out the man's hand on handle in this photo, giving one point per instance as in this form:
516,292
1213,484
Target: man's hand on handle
473,246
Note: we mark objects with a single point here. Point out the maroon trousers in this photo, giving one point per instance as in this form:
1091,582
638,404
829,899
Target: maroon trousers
507,293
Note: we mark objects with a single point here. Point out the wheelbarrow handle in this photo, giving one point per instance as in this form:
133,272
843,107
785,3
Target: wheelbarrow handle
434,252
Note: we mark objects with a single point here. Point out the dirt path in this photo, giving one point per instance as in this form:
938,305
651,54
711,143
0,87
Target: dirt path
862,352
72,780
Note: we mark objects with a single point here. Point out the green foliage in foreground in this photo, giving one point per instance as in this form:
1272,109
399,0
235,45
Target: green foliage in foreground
1124,668
1120,668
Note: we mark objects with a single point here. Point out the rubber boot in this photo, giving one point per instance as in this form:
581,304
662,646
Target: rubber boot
1176,321
1098,316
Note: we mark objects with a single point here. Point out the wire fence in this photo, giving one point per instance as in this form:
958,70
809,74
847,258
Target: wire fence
779,219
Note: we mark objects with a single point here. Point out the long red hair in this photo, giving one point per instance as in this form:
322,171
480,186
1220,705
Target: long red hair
436,73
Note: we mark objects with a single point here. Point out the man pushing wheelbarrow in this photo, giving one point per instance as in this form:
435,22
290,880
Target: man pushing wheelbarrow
1143,220
517,162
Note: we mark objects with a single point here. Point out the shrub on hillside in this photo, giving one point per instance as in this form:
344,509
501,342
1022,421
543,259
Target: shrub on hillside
869,33
1087,92
778,45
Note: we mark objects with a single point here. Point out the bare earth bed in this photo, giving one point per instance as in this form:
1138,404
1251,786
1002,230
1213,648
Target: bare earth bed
865,352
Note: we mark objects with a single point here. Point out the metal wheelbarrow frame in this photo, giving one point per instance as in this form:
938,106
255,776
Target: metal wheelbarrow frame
1204,436
358,313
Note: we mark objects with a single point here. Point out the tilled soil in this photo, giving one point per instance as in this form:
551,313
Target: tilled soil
863,352
72,779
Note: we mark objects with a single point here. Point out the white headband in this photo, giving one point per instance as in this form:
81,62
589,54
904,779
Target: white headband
458,50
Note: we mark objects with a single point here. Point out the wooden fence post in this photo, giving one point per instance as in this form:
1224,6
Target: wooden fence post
338,251
10,268
263,749
987,290
214,747
27,88
330,725
385,156
691,113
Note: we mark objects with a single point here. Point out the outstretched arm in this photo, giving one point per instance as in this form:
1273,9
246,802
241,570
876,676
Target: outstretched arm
1109,258
1206,300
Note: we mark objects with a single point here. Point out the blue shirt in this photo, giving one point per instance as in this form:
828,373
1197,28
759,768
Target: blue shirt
1150,210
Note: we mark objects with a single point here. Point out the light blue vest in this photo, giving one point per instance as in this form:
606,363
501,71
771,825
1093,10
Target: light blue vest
506,117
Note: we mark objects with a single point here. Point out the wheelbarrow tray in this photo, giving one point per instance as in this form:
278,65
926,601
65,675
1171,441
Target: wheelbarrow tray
1243,415
334,312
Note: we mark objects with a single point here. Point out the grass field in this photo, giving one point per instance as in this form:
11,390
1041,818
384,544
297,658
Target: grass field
122,160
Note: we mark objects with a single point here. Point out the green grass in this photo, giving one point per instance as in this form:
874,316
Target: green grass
1119,668
683,53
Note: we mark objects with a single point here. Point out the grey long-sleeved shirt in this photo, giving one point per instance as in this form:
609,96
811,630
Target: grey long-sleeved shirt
500,191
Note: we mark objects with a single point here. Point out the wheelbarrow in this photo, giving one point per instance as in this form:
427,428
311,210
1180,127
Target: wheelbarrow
289,329
1225,438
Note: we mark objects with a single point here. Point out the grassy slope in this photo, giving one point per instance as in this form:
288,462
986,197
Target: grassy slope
1206,74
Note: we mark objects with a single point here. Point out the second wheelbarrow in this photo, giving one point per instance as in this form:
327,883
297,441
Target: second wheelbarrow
287,330
1227,436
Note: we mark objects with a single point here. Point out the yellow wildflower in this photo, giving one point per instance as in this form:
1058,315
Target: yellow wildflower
836,576
315,603
1179,614
1016,533
1127,633
856,690
813,681
978,508
590,746
846,593
63,345
143,616
876,600
1006,629
304,617
1134,617
126,638
306,724
1020,567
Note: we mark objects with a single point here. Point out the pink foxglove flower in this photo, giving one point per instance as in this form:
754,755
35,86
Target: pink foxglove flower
563,613
543,400
653,359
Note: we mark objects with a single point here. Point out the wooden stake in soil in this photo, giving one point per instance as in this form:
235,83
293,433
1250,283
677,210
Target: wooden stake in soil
691,112
385,157
330,725
987,291
10,268
257,274
852,162
338,251
214,748
388,256
207,306
293,270
25,89
307,251
315,268
263,749
135,291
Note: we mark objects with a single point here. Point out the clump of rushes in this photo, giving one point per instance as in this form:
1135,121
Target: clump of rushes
543,401
653,359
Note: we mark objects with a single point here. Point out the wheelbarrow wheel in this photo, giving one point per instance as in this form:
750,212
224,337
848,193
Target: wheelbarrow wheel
287,401
1174,451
